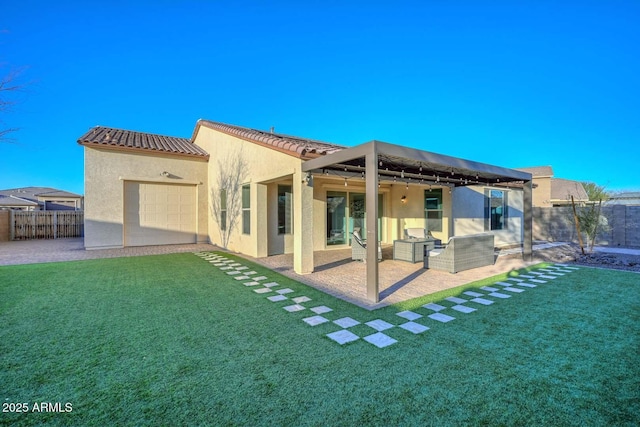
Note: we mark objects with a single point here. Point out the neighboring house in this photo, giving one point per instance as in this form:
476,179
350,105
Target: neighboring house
630,198
549,191
298,195
40,198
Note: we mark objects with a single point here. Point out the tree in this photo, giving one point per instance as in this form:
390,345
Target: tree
589,218
9,85
226,195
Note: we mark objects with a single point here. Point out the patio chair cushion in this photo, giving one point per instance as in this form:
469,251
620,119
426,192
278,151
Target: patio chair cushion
462,253
419,233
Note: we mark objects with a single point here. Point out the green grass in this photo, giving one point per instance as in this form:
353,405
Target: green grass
171,340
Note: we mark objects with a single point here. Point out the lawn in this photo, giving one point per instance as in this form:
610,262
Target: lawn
172,340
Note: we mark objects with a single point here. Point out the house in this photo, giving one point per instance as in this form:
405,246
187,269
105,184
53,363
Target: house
294,195
628,198
40,198
549,191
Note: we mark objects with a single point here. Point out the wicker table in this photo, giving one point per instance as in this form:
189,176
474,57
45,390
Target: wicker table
412,250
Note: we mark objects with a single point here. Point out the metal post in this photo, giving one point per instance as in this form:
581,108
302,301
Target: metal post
371,171
527,249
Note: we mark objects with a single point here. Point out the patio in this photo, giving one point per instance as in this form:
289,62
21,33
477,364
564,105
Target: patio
336,274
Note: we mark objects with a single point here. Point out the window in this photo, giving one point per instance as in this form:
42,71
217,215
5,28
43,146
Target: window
495,210
433,209
246,209
284,209
223,209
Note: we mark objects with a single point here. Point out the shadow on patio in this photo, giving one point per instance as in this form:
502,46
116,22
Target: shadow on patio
336,274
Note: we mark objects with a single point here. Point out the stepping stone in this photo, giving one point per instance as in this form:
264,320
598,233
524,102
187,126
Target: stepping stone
503,284
473,294
298,300
249,273
379,325
284,291
233,273
346,322
547,277
440,317
526,276
537,281
242,268
456,300
262,290
242,277
569,268
488,289
269,285
380,340
226,268
276,298
463,309
434,307
482,301
235,264
229,261
219,264
537,273
516,290
315,320
527,285
499,295
414,327
259,278
409,315
251,283
294,308
515,280
343,336
321,309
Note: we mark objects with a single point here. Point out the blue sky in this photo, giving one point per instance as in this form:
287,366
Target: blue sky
510,83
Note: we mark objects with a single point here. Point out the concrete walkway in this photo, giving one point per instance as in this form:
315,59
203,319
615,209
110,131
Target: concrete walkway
38,251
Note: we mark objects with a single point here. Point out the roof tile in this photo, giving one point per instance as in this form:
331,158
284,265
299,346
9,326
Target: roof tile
119,138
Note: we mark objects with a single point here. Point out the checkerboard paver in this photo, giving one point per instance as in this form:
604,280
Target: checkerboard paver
343,336
346,322
409,315
380,340
414,327
379,325
500,290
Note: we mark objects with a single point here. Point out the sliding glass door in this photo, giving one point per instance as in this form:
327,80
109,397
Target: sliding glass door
343,218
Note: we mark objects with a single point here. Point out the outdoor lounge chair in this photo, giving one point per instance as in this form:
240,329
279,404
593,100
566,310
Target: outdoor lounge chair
359,248
462,253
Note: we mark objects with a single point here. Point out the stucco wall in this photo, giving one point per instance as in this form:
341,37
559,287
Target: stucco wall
468,211
265,166
541,194
105,174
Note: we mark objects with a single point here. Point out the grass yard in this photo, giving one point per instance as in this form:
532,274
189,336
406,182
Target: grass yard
172,340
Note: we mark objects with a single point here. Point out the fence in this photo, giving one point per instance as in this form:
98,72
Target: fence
46,224
622,225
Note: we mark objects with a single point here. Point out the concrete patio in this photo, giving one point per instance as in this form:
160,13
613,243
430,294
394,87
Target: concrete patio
336,274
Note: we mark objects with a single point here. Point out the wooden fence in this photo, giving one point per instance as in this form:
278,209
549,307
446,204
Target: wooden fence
46,224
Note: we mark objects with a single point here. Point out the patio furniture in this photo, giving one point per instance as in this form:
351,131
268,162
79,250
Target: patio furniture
418,233
359,248
412,249
462,253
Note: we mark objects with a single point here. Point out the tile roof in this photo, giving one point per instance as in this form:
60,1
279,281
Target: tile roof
538,171
138,141
15,201
32,193
563,189
300,147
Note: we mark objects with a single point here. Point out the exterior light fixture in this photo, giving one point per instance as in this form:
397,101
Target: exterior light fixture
403,199
165,174
345,182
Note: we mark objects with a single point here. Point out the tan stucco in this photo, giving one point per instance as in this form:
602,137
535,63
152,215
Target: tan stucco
542,191
264,168
106,171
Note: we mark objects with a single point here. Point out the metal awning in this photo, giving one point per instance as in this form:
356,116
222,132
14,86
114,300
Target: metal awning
377,161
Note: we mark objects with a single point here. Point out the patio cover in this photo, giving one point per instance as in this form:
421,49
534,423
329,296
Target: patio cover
380,161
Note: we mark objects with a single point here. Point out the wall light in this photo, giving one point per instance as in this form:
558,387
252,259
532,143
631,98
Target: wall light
165,174
403,199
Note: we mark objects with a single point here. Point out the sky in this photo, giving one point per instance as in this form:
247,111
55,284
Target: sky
510,83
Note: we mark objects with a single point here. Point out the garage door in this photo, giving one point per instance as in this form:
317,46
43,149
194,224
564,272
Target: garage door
159,214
